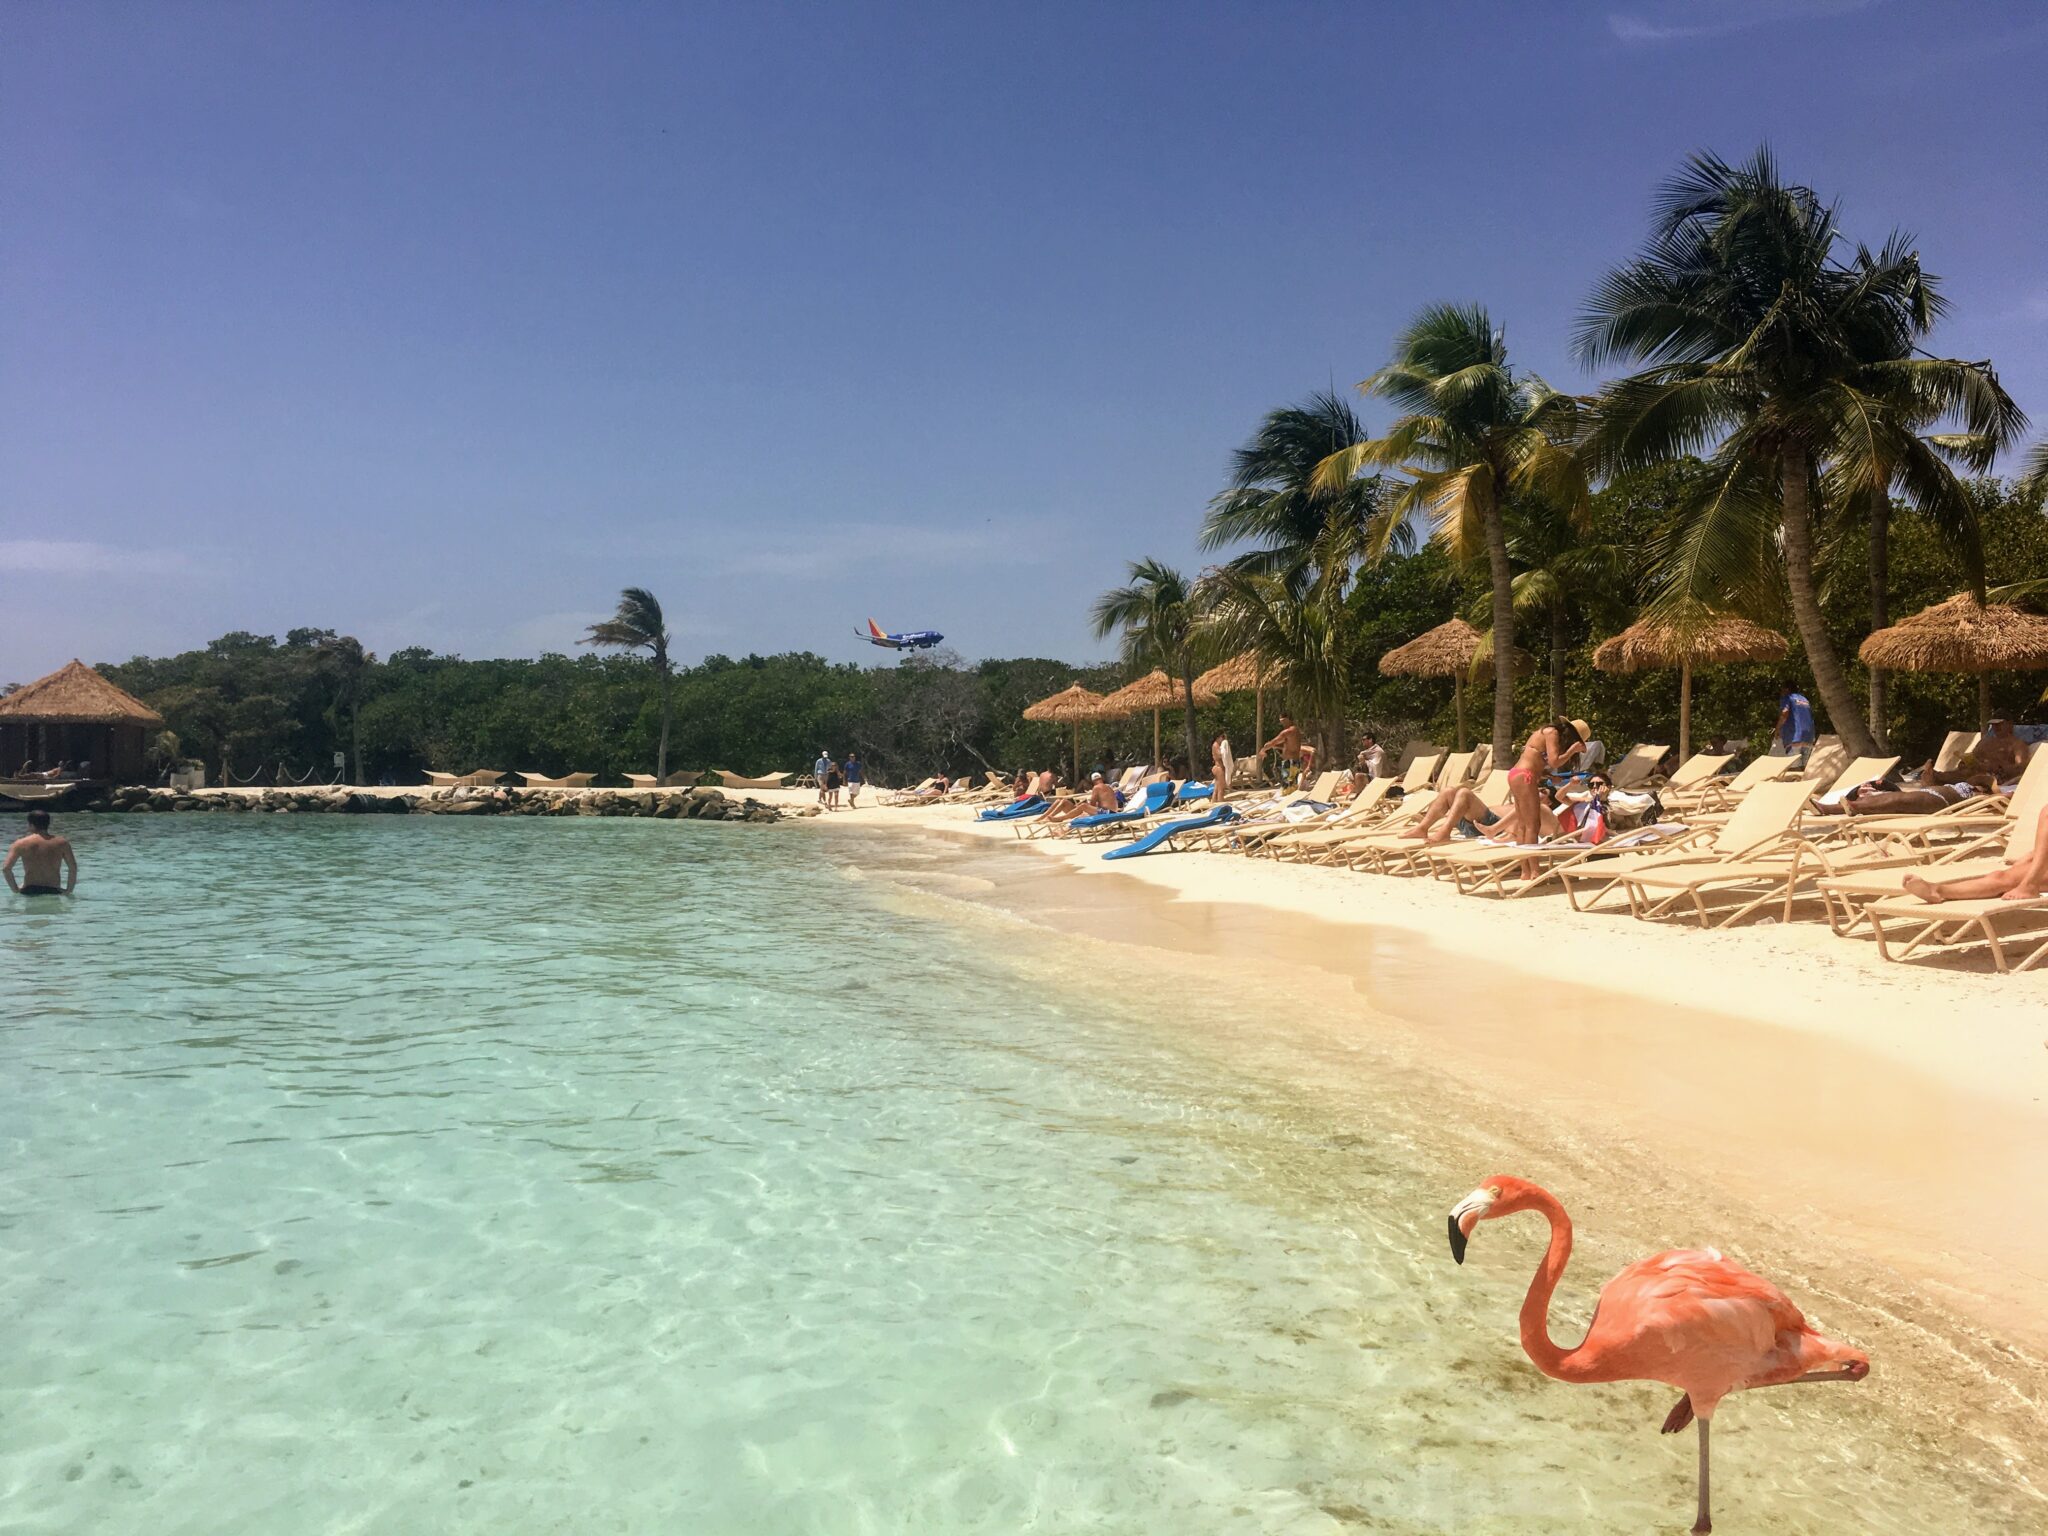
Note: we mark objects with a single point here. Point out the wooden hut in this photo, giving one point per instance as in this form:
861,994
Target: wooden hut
76,716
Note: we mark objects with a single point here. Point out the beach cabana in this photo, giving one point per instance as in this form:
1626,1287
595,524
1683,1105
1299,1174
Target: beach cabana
1247,670
76,716
1961,635
1708,639
1447,651
1070,706
1154,691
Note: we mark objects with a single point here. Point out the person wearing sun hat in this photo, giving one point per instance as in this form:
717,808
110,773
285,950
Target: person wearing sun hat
1594,753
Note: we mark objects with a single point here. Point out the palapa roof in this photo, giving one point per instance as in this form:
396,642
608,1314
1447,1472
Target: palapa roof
74,694
1241,674
1445,651
1152,691
1711,640
1961,635
1069,704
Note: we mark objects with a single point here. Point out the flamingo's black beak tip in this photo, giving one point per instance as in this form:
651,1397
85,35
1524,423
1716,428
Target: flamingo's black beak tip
1457,1242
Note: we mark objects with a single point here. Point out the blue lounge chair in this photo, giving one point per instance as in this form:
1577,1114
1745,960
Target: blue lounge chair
1166,831
1157,797
1017,808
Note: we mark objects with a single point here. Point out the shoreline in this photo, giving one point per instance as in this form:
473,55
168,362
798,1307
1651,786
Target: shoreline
1820,1097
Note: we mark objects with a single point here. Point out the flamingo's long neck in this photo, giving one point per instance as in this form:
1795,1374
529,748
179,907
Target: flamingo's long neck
1550,1360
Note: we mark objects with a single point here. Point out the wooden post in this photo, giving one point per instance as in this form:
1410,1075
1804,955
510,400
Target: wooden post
1684,708
1155,740
1983,701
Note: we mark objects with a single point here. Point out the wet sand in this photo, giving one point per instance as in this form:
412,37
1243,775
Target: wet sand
1886,1184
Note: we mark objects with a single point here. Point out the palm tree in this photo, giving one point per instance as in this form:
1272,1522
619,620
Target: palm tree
1159,615
1800,373
1305,536
638,626
1476,433
345,657
1302,635
1557,570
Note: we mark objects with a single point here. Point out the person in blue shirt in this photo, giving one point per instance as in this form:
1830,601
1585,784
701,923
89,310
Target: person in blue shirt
855,777
1795,722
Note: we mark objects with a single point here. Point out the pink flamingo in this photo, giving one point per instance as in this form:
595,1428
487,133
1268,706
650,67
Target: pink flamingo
1688,1318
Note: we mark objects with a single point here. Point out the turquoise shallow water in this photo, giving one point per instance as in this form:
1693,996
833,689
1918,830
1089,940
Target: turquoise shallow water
407,1174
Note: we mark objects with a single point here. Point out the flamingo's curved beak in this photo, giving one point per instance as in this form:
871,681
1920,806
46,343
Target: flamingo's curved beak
1465,1215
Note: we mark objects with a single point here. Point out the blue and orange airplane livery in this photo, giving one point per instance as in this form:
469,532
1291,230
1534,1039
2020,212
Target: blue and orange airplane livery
906,640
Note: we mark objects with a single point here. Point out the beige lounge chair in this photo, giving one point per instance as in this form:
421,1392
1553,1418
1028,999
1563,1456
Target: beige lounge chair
1954,924
442,780
1760,825
740,781
1272,836
1634,770
481,779
1314,844
915,795
1954,748
567,781
1395,853
1717,796
1411,753
1694,772
1860,770
1979,850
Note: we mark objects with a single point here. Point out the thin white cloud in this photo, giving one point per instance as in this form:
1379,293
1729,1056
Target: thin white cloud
1675,22
812,553
71,557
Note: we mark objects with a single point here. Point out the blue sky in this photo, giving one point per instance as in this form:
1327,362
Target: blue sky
439,323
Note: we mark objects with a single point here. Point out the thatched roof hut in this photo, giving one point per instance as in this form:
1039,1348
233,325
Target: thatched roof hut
1154,691
1961,635
1709,639
1070,706
74,716
1449,650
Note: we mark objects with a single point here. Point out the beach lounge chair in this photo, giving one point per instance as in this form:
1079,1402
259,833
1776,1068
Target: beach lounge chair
1270,834
1716,795
1978,849
1954,924
1395,851
1016,810
1694,772
567,781
1954,748
481,779
917,794
1258,815
1633,771
1861,770
1414,752
1162,836
740,781
1761,830
442,780
1154,799
1314,843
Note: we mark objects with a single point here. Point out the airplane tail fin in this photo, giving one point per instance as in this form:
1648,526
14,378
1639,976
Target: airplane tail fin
876,630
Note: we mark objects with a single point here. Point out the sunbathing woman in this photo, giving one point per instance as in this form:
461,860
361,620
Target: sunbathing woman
1547,750
2024,879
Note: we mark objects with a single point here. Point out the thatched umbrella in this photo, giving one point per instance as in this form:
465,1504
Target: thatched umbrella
74,713
1707,640
1245,670
1963,635
1447,651
1070,706
1154,691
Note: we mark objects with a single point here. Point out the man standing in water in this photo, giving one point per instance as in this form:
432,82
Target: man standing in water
48,866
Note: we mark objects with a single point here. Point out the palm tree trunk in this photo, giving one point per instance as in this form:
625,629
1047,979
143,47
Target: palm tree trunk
1880,571
1829,680
1557,650
1503,576
661,752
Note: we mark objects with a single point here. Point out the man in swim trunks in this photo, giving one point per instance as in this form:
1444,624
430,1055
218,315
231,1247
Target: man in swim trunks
1289,742
1876,799
856,776
48,866
1997,759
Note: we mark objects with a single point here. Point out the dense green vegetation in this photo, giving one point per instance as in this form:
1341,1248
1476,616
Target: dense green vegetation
1787,448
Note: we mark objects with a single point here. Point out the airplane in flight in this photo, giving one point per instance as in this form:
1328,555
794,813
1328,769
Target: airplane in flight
907,640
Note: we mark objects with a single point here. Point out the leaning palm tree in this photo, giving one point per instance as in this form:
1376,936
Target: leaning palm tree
1476,433
1158,613
1302,638
638,626
1305,536
345,657
1799,373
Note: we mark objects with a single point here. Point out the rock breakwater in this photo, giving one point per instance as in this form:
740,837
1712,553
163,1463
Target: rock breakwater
336,799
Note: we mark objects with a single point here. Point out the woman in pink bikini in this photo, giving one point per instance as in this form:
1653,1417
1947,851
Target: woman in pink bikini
1548,750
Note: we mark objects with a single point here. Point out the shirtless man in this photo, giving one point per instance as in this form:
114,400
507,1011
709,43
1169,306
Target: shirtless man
1866,801
1452,806
1102,794
48,866
2024,879
1999,756
1289,742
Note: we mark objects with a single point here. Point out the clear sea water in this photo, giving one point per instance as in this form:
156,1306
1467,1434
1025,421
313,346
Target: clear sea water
422,1175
